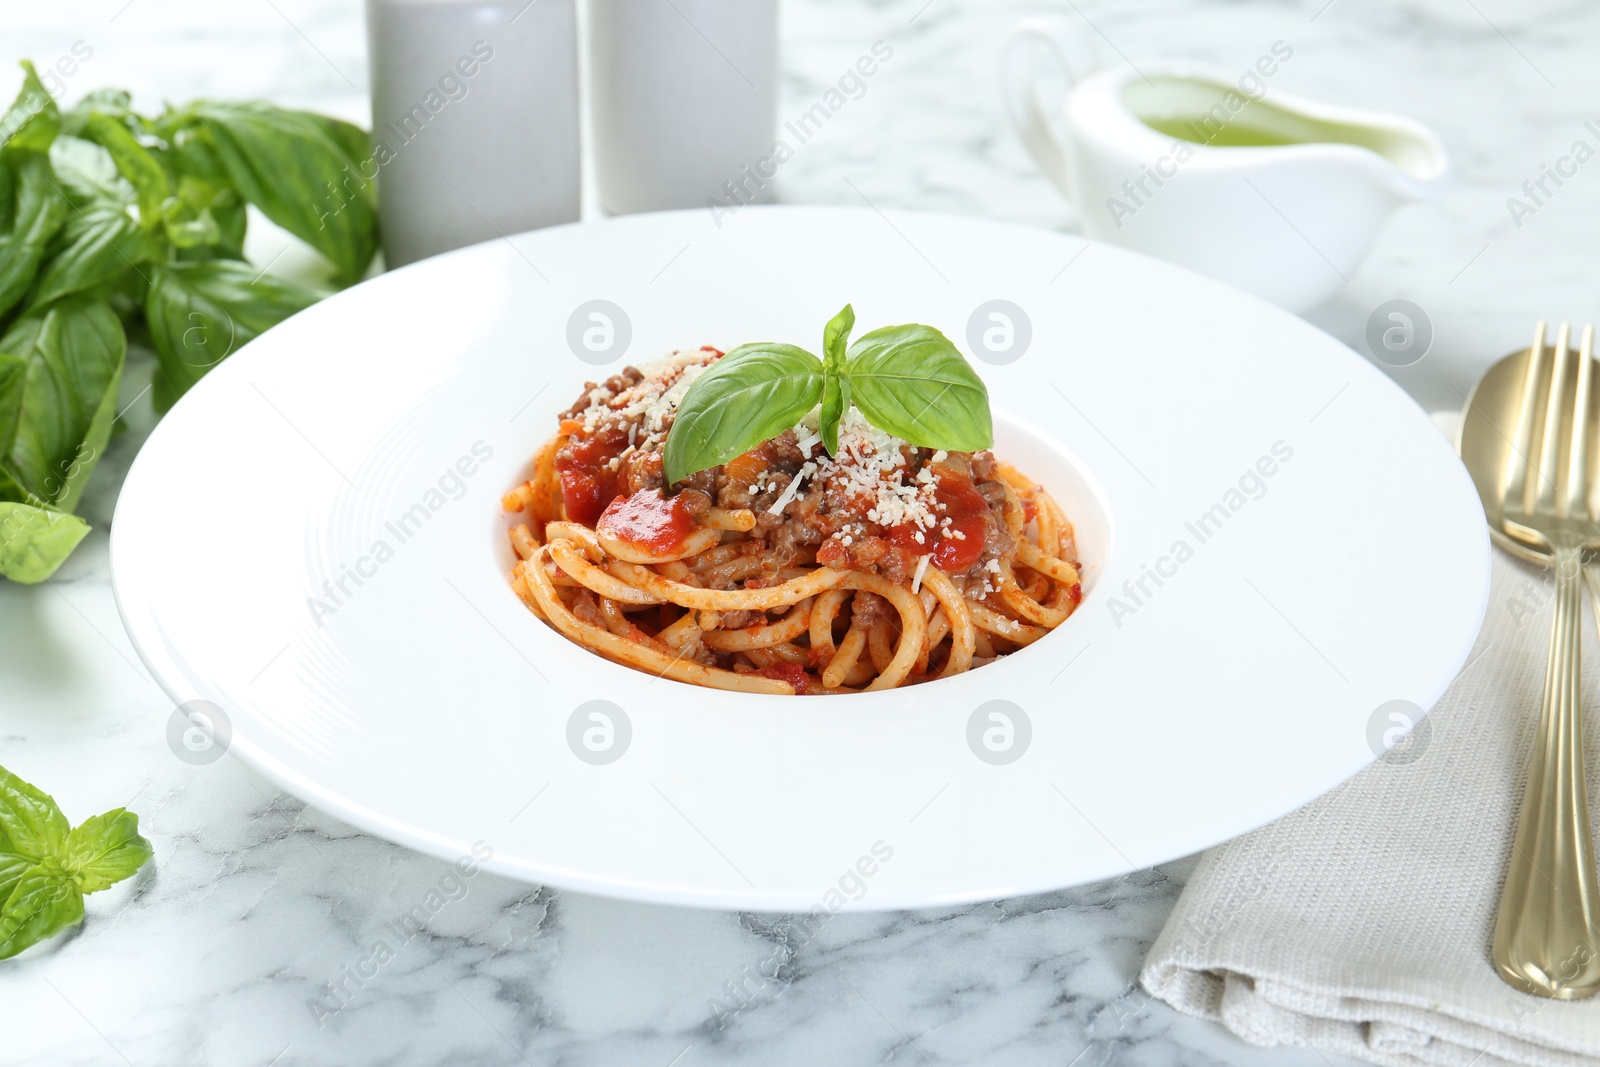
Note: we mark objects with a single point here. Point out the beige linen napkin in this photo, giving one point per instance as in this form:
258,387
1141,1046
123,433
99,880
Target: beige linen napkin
1361,923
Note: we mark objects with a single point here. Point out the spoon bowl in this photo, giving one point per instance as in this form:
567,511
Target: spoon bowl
1486,443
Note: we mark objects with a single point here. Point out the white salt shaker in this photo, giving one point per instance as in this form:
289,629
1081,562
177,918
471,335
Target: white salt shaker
474,120
683,101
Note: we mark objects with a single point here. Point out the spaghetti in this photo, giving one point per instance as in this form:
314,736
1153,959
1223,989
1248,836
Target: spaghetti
786,569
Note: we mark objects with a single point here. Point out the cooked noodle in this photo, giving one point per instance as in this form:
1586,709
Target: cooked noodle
785,570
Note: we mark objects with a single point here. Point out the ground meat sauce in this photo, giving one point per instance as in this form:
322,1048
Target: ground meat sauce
610,472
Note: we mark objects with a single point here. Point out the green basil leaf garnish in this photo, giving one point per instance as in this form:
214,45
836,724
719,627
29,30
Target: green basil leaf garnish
33,121
35,211
750,395
99,238
31,823
46,867
116,103
135,163
356,144
109,217
297,168
907,380
105,849
12,866
58,401
191,150
45,901
835,385
34,541
125,293
205,222
912,382
187,227
86,172
200,313
230,211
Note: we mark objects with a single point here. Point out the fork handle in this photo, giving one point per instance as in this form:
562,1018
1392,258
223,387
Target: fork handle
1547,934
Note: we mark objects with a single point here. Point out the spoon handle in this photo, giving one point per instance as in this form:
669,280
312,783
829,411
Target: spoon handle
1547,934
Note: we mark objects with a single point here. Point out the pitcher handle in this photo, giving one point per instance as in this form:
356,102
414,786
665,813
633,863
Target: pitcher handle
1044,137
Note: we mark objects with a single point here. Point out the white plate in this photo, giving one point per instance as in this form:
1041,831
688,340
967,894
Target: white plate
432,709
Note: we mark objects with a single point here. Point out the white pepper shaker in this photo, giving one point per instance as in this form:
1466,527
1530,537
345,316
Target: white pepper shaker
474,120
683,100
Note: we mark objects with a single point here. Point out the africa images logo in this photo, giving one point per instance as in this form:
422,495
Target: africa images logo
1252,485
337,592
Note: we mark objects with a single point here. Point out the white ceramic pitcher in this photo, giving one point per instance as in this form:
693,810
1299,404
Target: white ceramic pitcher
1215,170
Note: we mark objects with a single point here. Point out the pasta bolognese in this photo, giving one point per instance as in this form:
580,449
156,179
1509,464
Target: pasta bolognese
791,567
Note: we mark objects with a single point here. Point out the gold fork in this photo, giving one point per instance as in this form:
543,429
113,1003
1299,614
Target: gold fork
1547,933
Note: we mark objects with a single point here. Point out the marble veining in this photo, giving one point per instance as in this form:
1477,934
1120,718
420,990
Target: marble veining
252,937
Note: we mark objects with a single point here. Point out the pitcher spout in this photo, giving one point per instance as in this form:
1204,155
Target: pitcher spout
1414,162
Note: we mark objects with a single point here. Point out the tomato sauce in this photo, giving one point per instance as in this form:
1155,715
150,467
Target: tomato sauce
588,483
646,519
967,511
792,673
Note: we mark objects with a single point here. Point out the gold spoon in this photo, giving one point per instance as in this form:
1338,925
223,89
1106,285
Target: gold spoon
1527,433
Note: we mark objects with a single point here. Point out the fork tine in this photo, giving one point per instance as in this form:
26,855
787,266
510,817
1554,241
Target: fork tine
1575,494
1552,442
1551,896
1521,458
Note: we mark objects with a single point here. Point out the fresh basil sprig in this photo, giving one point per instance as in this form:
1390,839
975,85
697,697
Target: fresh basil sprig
908,380
46,866
112,222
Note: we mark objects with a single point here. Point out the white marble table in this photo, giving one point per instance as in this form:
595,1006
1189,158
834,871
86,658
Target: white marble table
255,902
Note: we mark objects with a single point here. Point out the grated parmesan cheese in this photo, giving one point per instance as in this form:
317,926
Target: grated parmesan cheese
870,465
652,401
791,490
922,566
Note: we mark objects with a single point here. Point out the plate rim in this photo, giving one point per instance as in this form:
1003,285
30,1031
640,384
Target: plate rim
342,806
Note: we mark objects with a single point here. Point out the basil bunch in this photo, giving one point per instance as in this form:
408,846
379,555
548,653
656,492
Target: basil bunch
908,380
112,222
46,866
